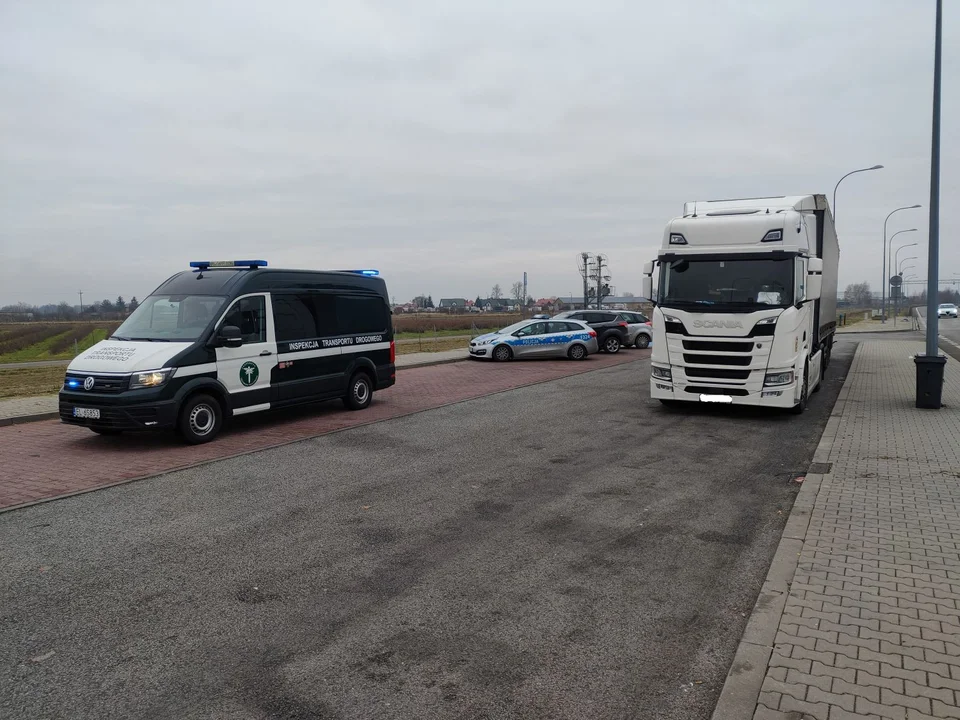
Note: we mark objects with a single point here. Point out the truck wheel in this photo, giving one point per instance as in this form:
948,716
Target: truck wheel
802,404
200,419
501,353
577,352
359,393
611,345
643,341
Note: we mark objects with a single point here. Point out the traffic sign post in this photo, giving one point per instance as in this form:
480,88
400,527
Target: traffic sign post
895,282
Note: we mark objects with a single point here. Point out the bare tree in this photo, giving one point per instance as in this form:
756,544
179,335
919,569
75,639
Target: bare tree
858,294
516,292
496,292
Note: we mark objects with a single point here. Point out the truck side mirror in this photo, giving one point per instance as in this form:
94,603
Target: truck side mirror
229,336
648,268
646,287
814,287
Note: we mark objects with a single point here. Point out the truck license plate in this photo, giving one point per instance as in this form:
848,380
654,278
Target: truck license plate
716,398
89,413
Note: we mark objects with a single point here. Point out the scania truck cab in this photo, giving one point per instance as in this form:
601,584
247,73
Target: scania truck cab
745,302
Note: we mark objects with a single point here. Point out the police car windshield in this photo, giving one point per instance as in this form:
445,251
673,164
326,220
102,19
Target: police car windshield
174,318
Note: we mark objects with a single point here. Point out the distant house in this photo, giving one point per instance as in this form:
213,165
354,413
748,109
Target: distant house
452,305
500,305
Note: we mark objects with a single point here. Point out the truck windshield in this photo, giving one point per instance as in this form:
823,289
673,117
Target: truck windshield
176,318
738,283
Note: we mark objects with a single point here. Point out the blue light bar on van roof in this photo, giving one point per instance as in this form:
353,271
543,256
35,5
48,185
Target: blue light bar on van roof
368,273
205,264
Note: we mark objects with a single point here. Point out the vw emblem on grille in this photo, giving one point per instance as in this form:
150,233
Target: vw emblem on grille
88,383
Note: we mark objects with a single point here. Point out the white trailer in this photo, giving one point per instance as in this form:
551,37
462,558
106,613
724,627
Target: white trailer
745,302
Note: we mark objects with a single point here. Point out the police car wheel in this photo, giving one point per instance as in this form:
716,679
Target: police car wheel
200,419
502,353
642,342
360,393
577,352
611,345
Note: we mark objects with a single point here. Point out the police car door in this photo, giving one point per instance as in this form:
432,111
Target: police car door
246,371
531,340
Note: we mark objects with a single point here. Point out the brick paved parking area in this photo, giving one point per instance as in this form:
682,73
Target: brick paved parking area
44,460
871,627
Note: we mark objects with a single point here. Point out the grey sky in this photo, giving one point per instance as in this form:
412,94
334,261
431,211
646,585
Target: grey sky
452,145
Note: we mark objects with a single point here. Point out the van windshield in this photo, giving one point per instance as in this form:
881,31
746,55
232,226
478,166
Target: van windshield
174,318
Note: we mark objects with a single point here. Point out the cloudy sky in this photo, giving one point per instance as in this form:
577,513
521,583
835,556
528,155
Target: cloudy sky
451,144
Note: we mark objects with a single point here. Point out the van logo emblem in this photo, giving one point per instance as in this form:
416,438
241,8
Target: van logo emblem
88,383
249,372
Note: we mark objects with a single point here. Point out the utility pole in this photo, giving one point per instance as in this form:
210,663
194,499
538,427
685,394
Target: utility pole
599,281
81,301
584,266
930,365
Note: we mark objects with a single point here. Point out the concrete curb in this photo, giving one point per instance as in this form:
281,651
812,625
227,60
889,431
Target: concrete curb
22,419
741,689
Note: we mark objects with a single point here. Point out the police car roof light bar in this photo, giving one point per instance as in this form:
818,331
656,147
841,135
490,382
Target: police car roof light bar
202,265
368,273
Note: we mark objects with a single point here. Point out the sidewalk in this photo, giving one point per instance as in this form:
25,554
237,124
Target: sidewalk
870,625
25,409
865,326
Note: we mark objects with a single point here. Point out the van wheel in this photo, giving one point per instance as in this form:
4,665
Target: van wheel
201,419
360,392
577,352
643,341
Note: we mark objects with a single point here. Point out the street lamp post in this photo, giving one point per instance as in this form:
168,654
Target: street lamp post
931,364
902,268
883,286
852,172
896,255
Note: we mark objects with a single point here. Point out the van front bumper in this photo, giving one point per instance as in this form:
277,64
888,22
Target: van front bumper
112,413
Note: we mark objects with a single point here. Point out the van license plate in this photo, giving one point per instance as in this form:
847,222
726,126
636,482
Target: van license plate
716,398
89,413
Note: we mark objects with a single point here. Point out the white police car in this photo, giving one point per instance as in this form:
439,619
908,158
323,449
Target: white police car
537,338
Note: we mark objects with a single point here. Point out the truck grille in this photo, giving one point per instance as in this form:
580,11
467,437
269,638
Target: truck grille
741,360
718,346
716,373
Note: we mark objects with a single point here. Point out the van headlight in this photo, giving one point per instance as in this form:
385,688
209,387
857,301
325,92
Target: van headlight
149,379
661,373
778,378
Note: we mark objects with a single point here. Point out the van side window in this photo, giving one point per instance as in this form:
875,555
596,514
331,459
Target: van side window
294,317
358,314
249,314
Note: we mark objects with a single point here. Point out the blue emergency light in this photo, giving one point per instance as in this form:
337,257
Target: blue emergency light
201,265
368,273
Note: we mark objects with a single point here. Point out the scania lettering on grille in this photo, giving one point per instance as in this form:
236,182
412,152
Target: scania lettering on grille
717,324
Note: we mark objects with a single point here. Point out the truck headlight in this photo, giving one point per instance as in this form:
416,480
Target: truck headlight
778,378
149,379
662,373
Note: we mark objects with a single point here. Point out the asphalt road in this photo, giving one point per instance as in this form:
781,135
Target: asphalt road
566,550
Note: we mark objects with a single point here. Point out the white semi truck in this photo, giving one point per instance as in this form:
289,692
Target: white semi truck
745,302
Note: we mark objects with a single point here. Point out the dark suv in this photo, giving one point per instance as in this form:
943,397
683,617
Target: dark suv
612,331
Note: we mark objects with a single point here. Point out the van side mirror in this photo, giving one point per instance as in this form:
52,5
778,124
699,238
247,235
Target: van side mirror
229,336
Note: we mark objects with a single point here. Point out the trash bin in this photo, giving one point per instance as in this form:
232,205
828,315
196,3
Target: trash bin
930,380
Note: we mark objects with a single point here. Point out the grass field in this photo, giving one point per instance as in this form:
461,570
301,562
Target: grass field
30,382
28,342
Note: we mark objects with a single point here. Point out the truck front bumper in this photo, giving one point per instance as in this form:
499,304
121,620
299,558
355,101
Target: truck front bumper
780,396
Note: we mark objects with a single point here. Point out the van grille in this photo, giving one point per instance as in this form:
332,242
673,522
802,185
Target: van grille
108,384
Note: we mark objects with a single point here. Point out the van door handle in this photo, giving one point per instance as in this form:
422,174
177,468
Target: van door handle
265,353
